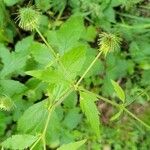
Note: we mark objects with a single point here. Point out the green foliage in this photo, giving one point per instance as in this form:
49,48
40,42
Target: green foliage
19,141
55,80
73,146
87,104
119,91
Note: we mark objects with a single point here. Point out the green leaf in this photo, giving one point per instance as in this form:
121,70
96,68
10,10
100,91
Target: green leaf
14,62
68,35
72,146
49,75
36,89
11,87
43,5
117,115
20,142
72,118
33,118
23,46
90,34
40,53
119,91
11,2
73,60
88,106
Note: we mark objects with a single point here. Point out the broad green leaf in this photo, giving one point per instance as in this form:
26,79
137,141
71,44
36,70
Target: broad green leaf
119,91
68,35
49,75
11,87
23,46
40,53
15,61
73,60
33,118
72,146
20,142
72,118
88,106
35,89
71,100
90,34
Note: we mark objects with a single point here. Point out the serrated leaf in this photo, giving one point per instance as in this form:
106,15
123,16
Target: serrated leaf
19,141
72,118
36,89
88,106
37,113
40,53
11,87
68,35
72,146
49,75
90,34
73,60
119,91
23,46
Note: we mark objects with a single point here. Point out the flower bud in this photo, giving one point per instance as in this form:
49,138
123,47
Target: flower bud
28,18
108,42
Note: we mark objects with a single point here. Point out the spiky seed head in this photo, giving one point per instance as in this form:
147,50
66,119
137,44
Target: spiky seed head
108,42
6,103
28,18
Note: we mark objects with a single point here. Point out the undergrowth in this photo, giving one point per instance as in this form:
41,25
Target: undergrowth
61,84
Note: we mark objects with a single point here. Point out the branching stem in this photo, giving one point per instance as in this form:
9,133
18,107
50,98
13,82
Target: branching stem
59,100
87,70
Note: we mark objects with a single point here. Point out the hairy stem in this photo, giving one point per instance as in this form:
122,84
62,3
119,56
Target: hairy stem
87,70
117,105
47,122
56,56
37,141
136,118
47,44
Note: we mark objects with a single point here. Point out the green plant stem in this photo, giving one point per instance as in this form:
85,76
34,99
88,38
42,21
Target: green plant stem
117,105
102,98
61,99
134,17
47,122
136,118
60,14
87,70
37,141
47,44
68,91
53,52
44,143
51,108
